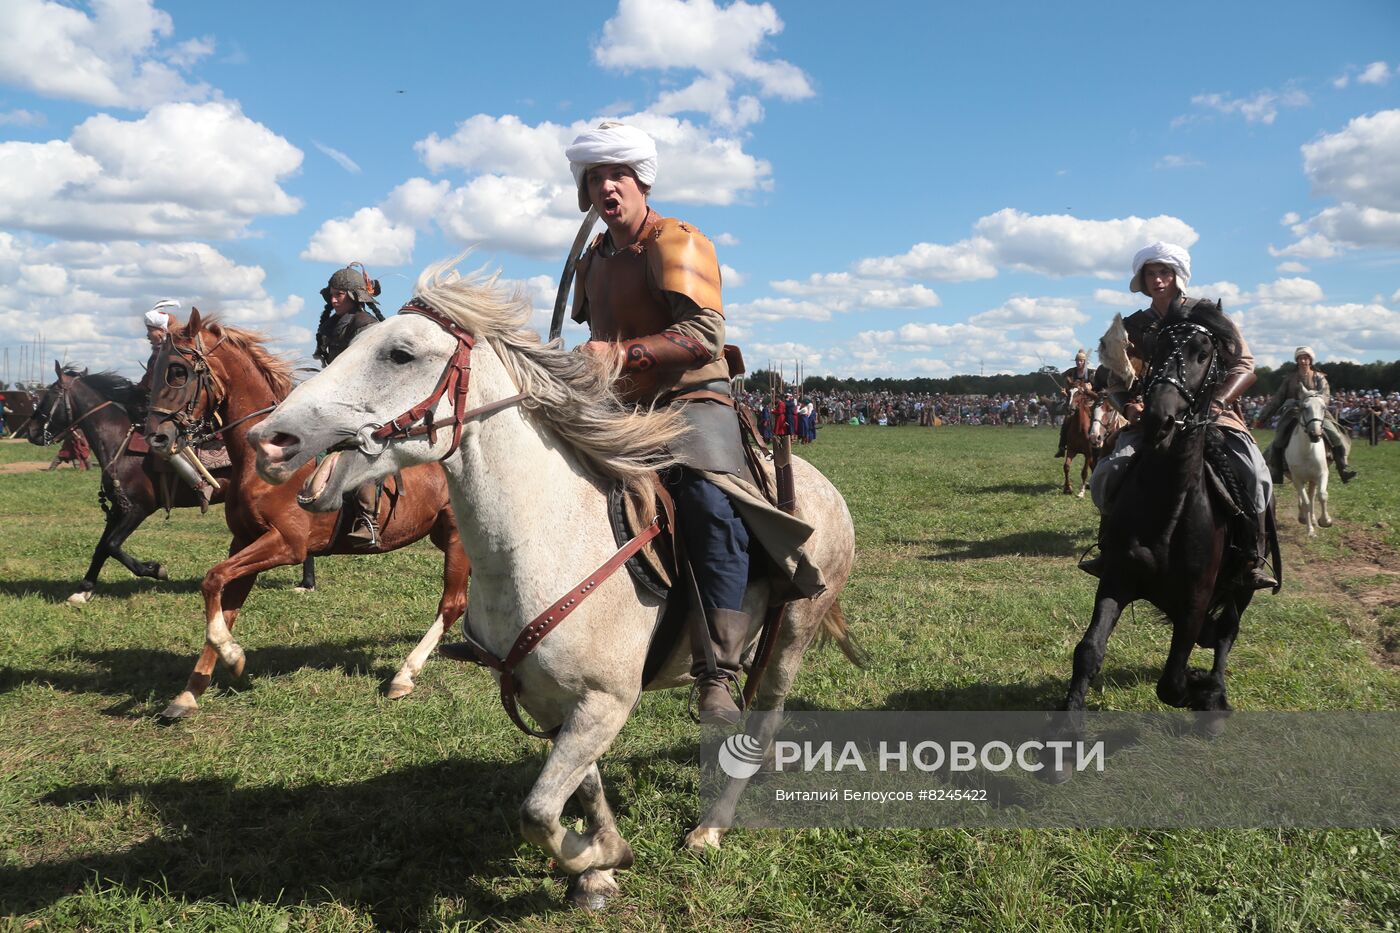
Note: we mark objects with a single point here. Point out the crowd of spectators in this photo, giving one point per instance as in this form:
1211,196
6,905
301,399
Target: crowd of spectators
897,409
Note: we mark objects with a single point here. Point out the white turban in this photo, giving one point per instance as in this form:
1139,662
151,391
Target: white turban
1169,254
1304,351
611,143
159,315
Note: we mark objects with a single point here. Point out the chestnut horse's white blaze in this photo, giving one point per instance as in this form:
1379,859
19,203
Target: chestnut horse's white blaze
1306,456
529,486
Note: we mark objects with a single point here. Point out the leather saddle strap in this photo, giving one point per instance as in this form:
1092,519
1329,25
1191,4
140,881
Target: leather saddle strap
544,623
486,409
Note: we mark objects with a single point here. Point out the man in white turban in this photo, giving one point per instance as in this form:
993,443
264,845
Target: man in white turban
160,319
1161,271
1295,386
649,289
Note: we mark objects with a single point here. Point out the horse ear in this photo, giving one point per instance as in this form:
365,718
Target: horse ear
85,370
194,321
58,368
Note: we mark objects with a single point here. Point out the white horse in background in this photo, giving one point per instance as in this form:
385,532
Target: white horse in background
1306,456
529,482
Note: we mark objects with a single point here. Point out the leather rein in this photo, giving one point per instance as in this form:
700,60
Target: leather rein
203,381
456,379
73,423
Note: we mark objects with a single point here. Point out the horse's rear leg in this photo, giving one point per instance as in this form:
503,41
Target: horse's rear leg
1084,476
1305,507
1067,489
586,733
1320,513
1175,686
455,571
120,524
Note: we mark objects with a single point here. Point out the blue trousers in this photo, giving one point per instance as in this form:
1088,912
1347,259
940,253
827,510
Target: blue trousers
715,538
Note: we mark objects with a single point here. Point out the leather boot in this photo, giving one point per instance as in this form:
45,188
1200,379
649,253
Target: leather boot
1339,455
1257,575
1093,566
722,639
364,532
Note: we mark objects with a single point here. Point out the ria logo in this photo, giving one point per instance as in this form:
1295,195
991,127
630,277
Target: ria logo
741,756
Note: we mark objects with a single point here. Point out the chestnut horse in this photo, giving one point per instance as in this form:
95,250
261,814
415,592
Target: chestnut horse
207,370
1078,442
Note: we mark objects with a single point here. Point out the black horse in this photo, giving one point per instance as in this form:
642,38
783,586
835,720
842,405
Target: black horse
104,407
1169,538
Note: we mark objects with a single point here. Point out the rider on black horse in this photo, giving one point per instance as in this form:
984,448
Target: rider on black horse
1161,271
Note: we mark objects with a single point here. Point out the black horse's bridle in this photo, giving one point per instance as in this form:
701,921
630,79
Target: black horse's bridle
1172,371
44,418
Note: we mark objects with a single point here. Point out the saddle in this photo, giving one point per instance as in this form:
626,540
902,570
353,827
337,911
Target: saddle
656,567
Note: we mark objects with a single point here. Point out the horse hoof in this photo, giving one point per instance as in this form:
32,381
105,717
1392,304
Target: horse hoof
398,689
1067,491
236,661
702,839
303,589
161,573
591,890
1326,523
178,710
80,598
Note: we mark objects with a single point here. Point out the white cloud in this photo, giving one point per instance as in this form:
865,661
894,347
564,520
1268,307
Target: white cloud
1292,267
368,236
1360,163
338,157
1374,73
103,288
181,170
1341,81
1118,298
778,309
109,59
842,291
1290,218
963,261
1344,331
1359,166
1261,107
698,34
731,276
726,239
1177,161
21,118
501,145
190,51
1046,244
1290,290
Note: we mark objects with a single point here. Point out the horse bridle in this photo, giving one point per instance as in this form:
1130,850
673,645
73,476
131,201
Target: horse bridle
1172,371
64,396
455,379
202,380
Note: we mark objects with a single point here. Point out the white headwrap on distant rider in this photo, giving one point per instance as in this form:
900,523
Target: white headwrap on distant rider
611,143
159,315
1168,254
1304,351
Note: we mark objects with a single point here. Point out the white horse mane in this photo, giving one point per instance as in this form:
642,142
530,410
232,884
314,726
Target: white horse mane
1113,351
572,392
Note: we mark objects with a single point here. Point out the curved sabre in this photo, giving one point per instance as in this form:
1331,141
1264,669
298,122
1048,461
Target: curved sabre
566,278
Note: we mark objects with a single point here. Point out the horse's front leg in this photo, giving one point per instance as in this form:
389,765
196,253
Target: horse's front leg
1209,693
1084,476
1175,686
1305,508
592,889
585,735
233,578
456,568
1320,513
1067,489
1109,603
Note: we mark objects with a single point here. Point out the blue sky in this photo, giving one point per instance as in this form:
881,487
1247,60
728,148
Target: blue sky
894,189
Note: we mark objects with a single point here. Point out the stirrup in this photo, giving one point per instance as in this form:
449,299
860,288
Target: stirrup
363,533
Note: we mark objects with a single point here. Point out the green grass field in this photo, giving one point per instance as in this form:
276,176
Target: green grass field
300,798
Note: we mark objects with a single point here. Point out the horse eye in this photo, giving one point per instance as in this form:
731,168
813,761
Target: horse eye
175,375
1202,356
400,356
